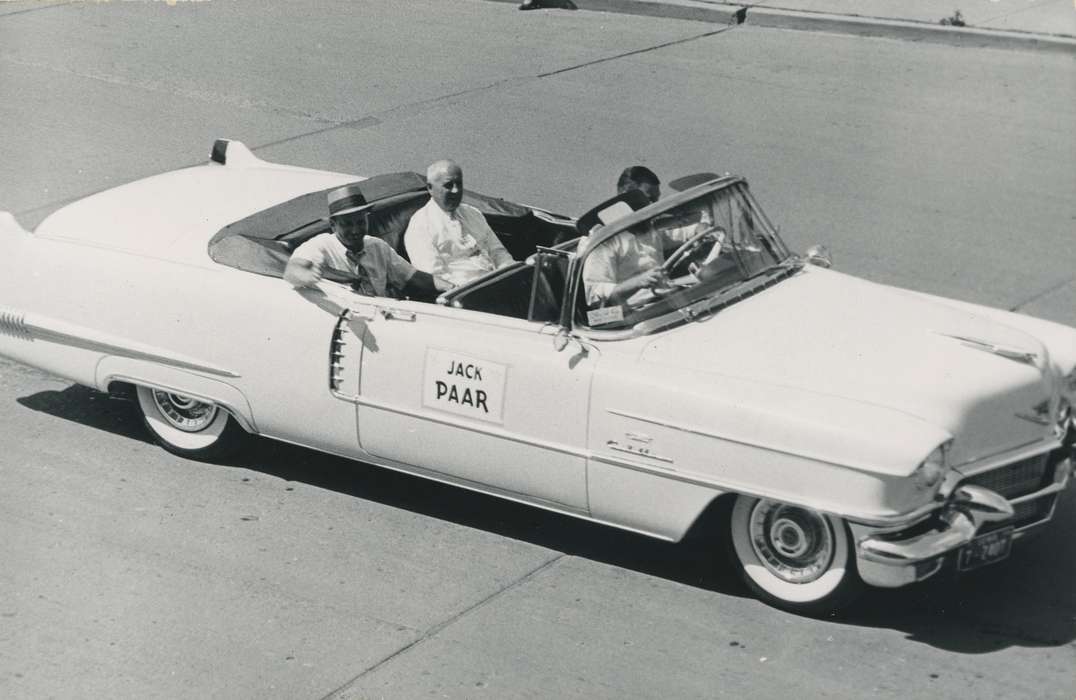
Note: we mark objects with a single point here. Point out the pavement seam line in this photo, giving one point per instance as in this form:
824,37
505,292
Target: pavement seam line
647,49
369,120
36,9
1010,13
1039,295
178,91
436,629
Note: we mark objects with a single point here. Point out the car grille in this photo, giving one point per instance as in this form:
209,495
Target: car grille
1019,479
1025,514
1016,479
1030,511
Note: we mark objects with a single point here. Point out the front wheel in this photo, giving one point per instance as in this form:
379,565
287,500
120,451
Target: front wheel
188,427
793,558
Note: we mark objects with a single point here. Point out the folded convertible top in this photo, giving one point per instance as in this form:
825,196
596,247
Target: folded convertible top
262,242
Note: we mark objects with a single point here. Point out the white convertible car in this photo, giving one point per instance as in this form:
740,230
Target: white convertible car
851,432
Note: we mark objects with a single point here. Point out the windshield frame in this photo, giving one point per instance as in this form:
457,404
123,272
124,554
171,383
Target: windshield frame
711,300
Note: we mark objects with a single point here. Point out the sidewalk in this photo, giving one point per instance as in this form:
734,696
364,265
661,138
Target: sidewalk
1037,24
1048,17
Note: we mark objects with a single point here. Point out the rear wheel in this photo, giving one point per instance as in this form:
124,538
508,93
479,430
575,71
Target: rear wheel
188,427
793,558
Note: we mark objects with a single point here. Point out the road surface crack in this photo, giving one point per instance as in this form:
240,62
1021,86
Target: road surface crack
338,694
636,52
38,8
1045,292
327,123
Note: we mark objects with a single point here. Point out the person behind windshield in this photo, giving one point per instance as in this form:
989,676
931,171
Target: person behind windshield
348,253
632,260
448,238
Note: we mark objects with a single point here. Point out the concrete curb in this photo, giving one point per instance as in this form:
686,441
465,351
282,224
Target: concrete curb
715,13
729,13
908,30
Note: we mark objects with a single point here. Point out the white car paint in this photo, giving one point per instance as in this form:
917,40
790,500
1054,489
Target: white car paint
823,391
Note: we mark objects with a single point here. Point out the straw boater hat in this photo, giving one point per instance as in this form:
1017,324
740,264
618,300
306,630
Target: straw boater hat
346,200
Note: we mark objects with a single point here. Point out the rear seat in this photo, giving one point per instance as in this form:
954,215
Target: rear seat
388,220
262,242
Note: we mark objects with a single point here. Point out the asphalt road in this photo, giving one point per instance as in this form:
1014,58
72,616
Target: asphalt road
127,572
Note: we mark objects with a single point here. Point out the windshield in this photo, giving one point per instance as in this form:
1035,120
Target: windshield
678,257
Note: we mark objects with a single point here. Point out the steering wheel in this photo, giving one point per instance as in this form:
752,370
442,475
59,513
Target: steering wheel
690,247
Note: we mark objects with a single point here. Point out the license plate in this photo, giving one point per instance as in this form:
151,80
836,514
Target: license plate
987,549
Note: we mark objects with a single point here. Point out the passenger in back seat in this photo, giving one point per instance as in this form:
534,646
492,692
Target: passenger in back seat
349,253
449,239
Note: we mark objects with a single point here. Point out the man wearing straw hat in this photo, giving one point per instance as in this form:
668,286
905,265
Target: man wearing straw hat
349,254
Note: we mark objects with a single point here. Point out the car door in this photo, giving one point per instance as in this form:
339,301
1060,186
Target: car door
484,399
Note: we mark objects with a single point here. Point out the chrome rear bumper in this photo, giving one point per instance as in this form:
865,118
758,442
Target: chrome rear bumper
890,559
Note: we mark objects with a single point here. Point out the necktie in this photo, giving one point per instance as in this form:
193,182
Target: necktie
363,284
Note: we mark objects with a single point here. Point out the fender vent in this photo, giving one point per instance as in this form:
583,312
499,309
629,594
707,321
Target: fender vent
345,350
14,324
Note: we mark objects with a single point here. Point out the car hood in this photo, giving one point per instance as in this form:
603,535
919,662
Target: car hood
838,335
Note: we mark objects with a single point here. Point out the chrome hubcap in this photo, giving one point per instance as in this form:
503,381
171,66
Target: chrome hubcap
793,543
183,412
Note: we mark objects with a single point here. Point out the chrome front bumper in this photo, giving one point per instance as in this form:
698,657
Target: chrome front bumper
888,559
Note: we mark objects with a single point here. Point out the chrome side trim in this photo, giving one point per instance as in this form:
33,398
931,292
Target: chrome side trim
884,523
483,430
1023,451
708,433
63,333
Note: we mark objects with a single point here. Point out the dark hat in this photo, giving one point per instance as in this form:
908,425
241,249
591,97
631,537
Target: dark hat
346,200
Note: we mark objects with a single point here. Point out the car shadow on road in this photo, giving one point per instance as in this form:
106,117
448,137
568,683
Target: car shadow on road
1018,603
689,562
976,613
113,414
972,614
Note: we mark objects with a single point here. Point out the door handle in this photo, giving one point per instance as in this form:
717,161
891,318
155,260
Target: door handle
354,315
398,315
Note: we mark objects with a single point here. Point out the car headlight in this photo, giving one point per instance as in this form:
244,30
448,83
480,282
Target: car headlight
928,476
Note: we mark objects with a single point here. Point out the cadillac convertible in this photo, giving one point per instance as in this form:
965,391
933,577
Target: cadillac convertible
849,432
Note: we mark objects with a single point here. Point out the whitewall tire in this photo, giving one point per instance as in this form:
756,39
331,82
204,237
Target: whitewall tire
793,558
186,426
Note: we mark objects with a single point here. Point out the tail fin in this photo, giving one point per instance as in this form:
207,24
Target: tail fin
228,152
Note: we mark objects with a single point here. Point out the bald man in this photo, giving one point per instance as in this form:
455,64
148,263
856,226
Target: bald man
449,239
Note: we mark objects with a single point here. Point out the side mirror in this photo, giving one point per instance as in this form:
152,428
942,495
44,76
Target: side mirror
818,255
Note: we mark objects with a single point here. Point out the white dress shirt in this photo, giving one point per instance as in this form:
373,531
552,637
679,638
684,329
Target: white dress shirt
457,247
